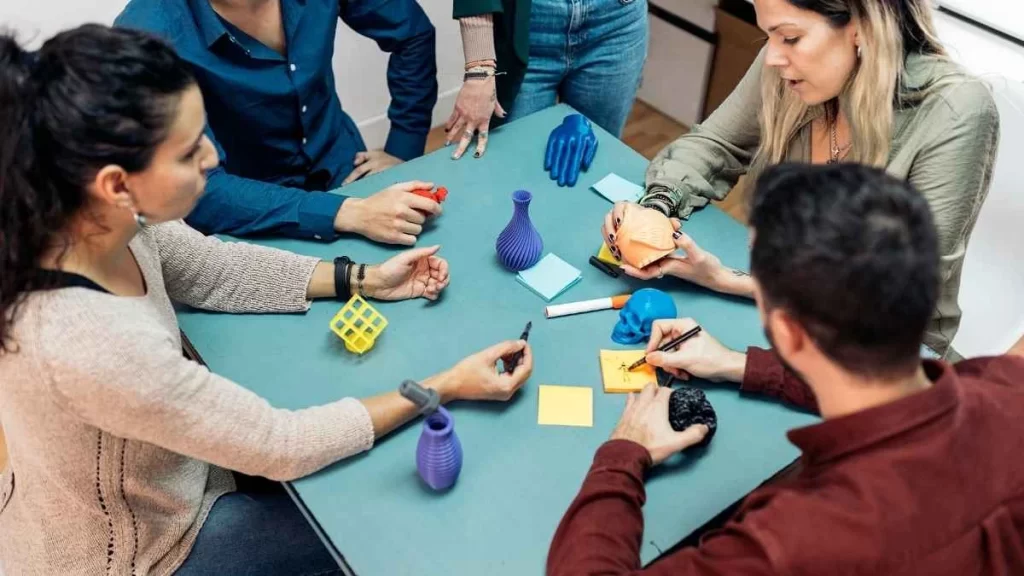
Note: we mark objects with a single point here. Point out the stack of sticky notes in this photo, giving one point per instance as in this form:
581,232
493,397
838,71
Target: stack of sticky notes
566,406
605,255
617,376
550,277
615,188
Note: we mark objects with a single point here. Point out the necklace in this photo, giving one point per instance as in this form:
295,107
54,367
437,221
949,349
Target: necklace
835,152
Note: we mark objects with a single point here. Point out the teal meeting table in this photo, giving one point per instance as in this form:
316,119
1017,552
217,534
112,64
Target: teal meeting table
373,511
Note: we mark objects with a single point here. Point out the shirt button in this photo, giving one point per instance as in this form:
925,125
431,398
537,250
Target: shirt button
293,67
317,237
303,109
303,140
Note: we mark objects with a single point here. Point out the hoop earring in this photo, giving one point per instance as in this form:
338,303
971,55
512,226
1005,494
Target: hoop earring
860,51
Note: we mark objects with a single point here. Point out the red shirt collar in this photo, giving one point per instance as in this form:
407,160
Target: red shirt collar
837,437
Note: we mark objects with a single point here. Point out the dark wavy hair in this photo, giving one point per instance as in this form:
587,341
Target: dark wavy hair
852,253
90,97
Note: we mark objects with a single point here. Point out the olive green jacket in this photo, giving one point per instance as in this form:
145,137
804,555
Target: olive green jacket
945,146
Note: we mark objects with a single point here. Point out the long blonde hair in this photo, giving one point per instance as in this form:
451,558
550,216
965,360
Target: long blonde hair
888,31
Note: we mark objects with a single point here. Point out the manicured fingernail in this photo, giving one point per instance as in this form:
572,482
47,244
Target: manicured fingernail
618,221
476,155
611,238
677,234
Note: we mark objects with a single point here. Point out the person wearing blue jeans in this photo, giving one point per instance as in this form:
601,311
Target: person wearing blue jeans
525,55
587,53
260,527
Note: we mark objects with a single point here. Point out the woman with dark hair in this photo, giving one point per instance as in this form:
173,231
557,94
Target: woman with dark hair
838,81
121,450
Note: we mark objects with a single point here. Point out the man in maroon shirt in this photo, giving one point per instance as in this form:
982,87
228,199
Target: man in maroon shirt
917,467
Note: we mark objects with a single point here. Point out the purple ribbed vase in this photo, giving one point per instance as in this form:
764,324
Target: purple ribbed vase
519,245
439,453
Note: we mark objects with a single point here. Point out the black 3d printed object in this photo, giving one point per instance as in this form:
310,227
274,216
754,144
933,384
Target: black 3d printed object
689,406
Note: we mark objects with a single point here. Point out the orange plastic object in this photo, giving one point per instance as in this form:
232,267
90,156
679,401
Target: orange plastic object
644,236
436,195
619,301
358,324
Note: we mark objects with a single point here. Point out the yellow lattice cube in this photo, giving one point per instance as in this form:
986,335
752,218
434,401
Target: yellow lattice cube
358,324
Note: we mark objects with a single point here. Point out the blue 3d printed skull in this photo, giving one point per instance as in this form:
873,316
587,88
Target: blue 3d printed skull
641,310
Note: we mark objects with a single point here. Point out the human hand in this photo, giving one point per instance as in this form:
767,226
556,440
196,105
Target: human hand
412,274
702,355
370,162
393,215
571,146
476,102
477,376
645,421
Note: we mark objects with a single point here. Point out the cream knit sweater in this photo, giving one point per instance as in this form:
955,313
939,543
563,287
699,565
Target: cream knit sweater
118,445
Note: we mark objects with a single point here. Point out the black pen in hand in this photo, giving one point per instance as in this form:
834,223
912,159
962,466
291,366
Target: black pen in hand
514,359
668,346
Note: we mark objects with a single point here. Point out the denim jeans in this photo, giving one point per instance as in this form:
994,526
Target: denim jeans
587,53
257,531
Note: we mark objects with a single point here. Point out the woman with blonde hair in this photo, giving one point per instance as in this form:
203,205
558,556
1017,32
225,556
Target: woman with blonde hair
863,81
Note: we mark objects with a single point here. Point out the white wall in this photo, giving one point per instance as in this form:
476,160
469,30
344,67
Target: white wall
360,66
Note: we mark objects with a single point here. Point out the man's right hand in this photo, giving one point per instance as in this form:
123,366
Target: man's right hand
392,216
701,356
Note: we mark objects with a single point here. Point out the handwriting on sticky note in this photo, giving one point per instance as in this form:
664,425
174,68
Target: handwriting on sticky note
617,376
566,406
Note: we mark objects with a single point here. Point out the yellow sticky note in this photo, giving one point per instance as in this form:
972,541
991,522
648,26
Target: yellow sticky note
566,406
605,255
617,376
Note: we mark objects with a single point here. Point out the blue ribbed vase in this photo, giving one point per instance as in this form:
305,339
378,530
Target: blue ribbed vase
519,245
439,452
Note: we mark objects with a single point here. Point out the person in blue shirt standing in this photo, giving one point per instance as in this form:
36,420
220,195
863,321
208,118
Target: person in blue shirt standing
264,67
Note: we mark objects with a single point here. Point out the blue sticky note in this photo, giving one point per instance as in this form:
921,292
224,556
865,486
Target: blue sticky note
617,189
549,277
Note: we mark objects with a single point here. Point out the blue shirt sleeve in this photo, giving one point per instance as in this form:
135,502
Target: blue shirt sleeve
241,206
403,29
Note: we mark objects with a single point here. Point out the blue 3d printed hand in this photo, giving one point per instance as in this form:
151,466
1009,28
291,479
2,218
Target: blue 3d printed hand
571,146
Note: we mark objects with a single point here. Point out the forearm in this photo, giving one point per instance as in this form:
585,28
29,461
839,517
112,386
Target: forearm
601,531
706,163
735,282
242,206
478,39
391,410
412,81
205,272
322,284
732,368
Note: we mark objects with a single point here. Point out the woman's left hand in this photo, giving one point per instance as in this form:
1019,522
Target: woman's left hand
412,274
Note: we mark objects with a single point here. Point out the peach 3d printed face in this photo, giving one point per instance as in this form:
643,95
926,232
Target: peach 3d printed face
644,236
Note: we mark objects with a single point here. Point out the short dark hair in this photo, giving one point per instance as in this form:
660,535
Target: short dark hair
90,97
852,254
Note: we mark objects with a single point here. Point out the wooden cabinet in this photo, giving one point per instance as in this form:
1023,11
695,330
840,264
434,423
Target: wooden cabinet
738,45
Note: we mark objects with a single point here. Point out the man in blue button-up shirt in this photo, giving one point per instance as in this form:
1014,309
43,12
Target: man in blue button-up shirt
264,67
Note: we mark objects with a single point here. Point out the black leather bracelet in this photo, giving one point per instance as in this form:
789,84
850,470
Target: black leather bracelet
342,288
